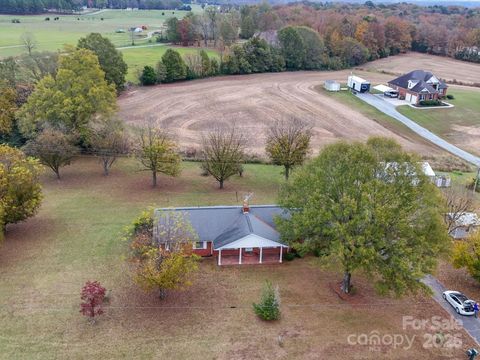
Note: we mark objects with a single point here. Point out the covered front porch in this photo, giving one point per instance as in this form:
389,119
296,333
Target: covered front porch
251,249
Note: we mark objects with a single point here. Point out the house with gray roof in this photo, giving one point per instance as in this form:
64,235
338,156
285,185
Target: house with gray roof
419,85
235,234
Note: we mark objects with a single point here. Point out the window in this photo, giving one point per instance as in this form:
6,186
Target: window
199,245
248,249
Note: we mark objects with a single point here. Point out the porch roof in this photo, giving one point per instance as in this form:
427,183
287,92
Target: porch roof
251,241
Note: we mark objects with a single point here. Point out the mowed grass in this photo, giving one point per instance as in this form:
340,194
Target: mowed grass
369,111
137,58
52,35
441,121
76,237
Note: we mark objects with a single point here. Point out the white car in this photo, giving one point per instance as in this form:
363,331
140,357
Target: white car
462,304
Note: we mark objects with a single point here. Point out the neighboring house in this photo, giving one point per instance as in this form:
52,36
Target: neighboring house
463,224
270,36
236,234
419,85
439,181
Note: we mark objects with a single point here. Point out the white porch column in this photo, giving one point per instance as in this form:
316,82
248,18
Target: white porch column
261,255
281,251
220,257
240,256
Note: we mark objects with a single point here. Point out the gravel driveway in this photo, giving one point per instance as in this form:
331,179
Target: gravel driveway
390,110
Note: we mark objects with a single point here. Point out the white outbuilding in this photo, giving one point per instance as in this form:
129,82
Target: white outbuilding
356,83
331,85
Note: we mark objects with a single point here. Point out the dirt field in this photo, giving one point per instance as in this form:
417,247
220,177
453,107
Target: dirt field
253,102
445,68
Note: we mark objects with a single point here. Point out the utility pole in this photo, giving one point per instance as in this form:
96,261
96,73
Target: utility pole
476,181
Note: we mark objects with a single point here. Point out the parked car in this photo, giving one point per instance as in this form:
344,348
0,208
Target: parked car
462,304
391,93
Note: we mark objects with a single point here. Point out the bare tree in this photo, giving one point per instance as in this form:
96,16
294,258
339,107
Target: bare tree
212,15
108,140
29,41
54,148
157,152
203,24
223,153
458,200
288,142
37,65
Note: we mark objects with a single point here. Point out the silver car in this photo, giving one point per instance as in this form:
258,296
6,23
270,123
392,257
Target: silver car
462,304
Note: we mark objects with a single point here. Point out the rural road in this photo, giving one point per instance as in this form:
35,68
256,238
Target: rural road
140,46
469,323
390,110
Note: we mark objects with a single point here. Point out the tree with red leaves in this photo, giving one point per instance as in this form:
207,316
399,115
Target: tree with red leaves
92,296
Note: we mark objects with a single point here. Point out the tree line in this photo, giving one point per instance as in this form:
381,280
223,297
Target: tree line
348,31
24,7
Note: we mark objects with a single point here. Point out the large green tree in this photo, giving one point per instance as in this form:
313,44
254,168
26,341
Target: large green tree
71,99
20,190
175,68
110,59
369,207
314,48
293,48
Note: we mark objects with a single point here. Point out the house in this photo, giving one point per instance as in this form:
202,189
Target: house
464,224
419,85
236,234
269,36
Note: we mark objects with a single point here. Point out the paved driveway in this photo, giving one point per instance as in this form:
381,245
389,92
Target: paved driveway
470,323
390,110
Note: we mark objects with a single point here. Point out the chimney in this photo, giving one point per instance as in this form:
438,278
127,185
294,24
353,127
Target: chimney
246,207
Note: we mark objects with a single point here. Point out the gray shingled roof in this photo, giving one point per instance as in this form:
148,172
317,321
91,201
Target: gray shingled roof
226,224
418,75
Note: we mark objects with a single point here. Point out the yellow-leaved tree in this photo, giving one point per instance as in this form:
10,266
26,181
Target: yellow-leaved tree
20,190
160,251
466,254
71,99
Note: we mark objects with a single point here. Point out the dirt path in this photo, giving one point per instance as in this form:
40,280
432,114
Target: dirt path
253,102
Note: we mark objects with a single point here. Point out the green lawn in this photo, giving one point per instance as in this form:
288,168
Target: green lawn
76,237
386,121
440,121
52,35
137,58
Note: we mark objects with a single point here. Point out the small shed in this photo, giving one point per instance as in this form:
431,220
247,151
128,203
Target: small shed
331,85
358,84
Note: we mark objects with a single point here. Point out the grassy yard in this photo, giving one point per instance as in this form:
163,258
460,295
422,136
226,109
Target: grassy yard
459,125
52,35
75,237
440,121
137,58
386,121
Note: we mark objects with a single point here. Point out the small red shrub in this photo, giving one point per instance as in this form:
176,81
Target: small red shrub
92,296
